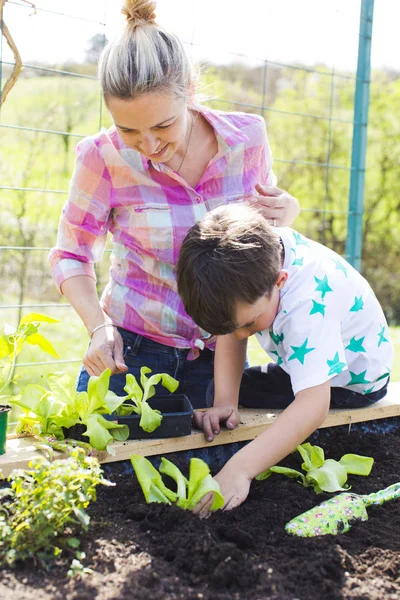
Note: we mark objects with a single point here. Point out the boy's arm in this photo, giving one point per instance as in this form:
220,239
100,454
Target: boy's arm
306,413
230,358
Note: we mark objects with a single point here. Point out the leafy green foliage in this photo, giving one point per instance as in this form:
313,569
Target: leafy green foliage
323,475
13,339
189,491
49,411
150,418
45,506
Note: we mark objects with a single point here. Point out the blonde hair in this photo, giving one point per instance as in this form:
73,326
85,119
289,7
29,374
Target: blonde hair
144,58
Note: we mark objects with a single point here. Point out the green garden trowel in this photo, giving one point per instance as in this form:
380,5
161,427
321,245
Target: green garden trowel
337,514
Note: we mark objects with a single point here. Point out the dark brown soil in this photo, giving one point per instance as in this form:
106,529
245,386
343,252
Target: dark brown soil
143,552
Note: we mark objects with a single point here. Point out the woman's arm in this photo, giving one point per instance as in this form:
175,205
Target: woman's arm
106,346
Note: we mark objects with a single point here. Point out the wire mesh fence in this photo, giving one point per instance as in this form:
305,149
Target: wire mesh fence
309,114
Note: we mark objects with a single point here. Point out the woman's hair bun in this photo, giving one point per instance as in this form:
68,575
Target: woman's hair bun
139,11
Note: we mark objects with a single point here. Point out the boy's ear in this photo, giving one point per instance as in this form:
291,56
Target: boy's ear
281,279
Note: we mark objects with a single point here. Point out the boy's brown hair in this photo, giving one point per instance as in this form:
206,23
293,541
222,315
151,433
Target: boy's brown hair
230,255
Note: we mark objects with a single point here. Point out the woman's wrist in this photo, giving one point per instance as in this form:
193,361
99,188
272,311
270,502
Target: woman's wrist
96,320
108,324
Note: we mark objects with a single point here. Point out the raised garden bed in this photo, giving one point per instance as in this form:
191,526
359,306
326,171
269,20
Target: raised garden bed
140,551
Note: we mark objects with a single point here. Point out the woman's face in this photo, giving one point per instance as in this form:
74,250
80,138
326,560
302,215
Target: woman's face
155,125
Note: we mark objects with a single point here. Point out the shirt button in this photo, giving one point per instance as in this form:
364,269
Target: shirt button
198,198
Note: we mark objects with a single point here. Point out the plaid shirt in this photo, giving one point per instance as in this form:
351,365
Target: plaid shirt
149,208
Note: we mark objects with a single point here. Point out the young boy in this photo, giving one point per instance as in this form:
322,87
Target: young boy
314,314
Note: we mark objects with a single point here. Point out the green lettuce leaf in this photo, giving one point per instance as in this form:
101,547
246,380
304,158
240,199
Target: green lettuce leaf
357,465
148,383
189,492
331,477
168,468
102,432
150,418
150,480
313,456
291,473
132,388
200,483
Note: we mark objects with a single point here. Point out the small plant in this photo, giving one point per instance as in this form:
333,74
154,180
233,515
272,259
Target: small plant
150,418
189,491
12,341
45,506
324,475
47,412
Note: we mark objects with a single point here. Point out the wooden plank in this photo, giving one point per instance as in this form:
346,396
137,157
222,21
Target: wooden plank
253,421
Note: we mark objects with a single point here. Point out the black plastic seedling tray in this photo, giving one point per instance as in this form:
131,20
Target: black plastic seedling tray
176,410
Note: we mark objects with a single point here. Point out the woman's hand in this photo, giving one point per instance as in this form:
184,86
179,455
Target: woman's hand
276,205
105,352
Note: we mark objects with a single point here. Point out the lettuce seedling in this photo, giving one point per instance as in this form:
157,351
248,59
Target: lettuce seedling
189,491
150,418
323,475
47,412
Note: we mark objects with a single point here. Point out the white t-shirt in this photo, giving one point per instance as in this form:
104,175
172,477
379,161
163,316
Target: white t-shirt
329,324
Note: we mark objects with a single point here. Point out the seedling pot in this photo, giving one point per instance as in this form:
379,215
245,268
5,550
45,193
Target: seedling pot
4,410
176,410
76,433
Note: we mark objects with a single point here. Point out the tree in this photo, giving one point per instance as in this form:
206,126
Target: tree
95,47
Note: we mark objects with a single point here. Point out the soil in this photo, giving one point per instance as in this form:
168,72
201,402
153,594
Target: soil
143,552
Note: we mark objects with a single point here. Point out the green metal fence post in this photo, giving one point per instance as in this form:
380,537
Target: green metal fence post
359,148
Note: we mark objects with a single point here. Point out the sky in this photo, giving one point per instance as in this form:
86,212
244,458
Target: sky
286,31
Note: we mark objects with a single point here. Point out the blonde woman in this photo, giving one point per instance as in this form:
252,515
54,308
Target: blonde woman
163,164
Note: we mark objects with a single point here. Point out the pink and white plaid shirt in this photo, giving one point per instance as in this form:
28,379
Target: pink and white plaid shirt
149,208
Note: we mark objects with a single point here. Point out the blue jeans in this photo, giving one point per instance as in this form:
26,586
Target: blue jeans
193,375
269,387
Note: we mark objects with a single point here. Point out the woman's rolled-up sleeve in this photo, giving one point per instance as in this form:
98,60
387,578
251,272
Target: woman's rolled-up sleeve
85,218
268,176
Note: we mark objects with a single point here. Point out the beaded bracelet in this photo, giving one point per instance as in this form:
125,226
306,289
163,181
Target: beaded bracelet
100,326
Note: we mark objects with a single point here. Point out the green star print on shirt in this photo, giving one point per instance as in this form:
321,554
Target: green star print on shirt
335,366
356,345
323,286
358,304
329,325
317,308
299,352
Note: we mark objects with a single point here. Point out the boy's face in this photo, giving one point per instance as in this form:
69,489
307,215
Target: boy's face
260,315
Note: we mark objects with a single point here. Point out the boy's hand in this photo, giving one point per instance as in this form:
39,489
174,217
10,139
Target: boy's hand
235,486
209,421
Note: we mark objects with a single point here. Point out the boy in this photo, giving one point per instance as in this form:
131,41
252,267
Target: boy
314,314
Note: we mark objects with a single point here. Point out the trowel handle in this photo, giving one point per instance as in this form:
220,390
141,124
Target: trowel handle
390,493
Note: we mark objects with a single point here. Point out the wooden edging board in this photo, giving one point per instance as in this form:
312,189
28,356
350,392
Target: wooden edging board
20,451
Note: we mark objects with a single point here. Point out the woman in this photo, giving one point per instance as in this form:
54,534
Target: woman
147,180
